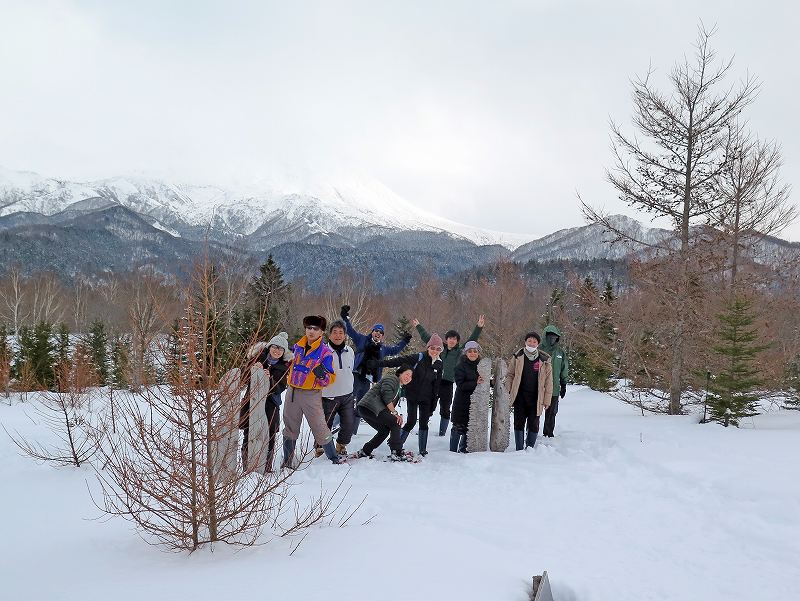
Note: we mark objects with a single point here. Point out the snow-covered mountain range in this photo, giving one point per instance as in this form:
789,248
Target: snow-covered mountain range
119,224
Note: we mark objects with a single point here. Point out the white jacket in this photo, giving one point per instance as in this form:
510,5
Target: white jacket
343,368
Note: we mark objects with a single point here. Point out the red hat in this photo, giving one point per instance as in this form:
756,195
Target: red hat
436,341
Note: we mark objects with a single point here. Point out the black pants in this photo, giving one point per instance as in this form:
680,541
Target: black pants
525,416
424,410
445,399
274,420
386,425
343,407
550,417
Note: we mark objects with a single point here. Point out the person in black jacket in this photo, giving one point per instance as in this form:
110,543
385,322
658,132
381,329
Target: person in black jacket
423,390
275,358
379,409
467,379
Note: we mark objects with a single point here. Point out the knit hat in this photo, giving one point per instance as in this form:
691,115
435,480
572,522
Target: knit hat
281,340
315,320
436,341
471,344
379,327
534,335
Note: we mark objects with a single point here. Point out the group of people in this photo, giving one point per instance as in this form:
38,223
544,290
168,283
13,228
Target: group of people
330,382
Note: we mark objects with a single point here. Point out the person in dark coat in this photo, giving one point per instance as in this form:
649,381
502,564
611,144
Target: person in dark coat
275,358
466,379
379,409
450,356
370,349
423,391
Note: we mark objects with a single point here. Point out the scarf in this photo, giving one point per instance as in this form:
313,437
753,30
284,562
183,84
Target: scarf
532,356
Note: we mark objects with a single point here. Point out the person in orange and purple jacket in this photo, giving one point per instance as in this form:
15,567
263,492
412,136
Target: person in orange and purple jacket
311,371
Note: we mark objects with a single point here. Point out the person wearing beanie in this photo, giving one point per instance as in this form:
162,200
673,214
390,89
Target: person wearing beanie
273,357
310,372
423,390
368,348
337,397
467,379
529,382
551,345
450,356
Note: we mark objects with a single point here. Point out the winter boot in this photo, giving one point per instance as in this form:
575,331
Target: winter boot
341,449
519,439
423,442
443,424
330,452
318,451
398,456
462,447
455,438
530,441
403,436
288,452
362,453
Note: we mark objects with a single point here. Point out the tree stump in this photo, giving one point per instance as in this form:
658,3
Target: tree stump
499,437
257,423
478,424
226,455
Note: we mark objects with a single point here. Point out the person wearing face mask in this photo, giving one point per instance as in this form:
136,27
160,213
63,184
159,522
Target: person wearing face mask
337,397
529,382
423,390
369,348
311,371
558,356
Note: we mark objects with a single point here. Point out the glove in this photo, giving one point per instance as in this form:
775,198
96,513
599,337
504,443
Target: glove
320,372
563,388
345,311
407,337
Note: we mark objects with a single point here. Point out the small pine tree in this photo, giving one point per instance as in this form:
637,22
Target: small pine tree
792,386
97,343
608,296
119,362
62,350
402,327
37,354
731,395
556,301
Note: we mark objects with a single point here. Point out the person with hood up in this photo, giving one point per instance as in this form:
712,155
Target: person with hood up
379,409
551,345
274,358
450,356
529,382
423,390
369,348
311,371
466,379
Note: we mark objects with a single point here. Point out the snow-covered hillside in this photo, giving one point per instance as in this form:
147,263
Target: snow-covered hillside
321,207
617,507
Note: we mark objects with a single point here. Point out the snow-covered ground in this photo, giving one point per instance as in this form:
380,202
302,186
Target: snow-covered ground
616,507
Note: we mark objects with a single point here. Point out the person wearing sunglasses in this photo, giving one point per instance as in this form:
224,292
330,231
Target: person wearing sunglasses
310,372
423,390
467,380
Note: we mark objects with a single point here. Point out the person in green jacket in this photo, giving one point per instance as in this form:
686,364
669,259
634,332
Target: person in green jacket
450,356
558,356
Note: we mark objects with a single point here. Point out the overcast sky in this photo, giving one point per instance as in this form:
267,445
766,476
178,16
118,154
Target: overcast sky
491,113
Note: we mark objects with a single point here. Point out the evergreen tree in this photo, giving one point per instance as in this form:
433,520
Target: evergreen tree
37,353
608,296
556,300
264,311
792,400
401,327
731,395
97,344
